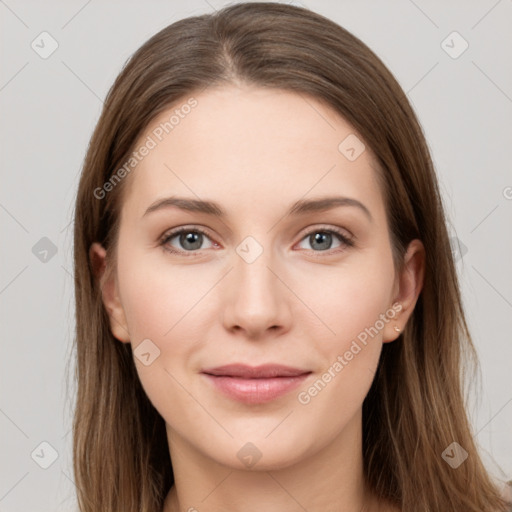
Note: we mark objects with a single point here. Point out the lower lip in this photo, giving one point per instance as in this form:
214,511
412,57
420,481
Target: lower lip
255,391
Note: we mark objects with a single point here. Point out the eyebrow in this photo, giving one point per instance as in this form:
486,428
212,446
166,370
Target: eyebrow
300,207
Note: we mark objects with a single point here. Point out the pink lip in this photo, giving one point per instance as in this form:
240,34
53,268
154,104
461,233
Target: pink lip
255,385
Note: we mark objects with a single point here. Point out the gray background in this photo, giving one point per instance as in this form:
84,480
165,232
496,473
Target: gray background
49,108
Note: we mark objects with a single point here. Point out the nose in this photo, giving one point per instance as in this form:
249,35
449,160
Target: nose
256,299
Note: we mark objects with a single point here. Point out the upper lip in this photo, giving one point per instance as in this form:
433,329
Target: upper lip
255,372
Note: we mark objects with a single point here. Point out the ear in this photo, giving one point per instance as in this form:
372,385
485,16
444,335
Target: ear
109,291
408,286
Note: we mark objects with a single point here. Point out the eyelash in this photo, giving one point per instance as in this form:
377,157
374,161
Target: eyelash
345,241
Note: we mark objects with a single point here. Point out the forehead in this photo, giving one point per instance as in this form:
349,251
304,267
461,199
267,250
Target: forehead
254,146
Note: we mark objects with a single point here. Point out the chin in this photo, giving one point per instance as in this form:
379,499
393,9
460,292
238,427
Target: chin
260,454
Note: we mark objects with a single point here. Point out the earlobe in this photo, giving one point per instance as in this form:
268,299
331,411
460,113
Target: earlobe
410,284
393,329
106,281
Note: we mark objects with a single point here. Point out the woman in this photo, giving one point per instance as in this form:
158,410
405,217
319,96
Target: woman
225,361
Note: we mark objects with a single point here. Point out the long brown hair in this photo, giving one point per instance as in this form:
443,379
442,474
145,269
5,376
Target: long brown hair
415,408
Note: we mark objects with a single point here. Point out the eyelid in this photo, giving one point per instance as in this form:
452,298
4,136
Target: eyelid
329,228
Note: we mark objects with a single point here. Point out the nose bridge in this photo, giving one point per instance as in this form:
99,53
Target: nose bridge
252,271
256,301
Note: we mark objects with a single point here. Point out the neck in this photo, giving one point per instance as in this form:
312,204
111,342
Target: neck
331,478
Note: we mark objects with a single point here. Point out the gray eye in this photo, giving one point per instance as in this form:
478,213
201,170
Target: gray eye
321,240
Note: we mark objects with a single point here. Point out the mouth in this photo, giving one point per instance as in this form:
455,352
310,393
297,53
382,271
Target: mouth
255,385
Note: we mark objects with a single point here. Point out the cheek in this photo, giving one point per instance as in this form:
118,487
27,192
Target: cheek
164,304
355,304
159,299
161,304
351,299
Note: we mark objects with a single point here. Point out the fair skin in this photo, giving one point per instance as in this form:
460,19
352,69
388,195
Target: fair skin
301,302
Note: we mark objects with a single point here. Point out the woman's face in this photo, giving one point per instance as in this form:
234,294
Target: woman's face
273,280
